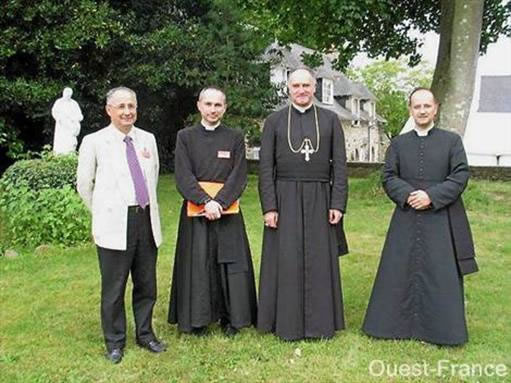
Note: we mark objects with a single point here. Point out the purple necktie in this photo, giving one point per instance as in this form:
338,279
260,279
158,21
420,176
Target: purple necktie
136,174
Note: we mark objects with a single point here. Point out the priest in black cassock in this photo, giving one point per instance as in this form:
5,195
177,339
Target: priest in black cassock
418,292
213,278
303,190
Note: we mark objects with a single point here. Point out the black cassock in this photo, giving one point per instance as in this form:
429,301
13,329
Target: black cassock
418,291
300,286
213,275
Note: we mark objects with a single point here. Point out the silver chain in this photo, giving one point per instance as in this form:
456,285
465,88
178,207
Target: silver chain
306,139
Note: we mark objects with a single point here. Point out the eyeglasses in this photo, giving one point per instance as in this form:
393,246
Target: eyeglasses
131,107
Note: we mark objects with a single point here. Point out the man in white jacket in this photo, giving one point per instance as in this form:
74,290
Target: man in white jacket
117,178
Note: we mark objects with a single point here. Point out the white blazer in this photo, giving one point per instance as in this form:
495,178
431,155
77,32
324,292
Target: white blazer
103,179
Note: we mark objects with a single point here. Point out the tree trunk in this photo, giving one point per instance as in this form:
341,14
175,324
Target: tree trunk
458,52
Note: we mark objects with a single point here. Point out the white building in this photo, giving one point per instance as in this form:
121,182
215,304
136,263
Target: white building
488,134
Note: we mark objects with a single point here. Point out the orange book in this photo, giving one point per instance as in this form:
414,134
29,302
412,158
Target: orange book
212,189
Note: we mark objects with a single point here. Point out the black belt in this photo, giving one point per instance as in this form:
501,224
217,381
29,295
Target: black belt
138,209
302,178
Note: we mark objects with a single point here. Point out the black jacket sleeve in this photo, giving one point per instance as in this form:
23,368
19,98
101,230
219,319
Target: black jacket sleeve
267,192
339,194
186,182
396,188
447,192
237,179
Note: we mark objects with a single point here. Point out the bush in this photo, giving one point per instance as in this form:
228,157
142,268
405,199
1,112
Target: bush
46,216
39,204
47,172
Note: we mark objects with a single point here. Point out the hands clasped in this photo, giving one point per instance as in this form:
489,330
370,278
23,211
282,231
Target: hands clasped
419,200
213,210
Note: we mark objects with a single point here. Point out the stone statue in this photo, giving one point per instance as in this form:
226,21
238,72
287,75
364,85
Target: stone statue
67,115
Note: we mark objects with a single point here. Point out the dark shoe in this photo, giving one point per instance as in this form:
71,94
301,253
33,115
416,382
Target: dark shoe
154,345
115,355
200,331
228,330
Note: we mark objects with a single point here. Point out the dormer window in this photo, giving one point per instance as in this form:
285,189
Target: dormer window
355,109
369,107
327,96
355,106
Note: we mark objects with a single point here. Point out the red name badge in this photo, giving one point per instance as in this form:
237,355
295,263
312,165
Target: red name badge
224,154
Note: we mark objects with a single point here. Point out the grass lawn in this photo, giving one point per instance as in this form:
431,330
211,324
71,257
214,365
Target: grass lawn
50,329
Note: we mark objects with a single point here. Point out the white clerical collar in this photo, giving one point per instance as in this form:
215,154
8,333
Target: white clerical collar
423,132
208,126
301,109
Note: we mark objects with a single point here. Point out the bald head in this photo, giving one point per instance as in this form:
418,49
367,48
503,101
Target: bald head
301,74
422,91
212,92
211,105
302,86
423,107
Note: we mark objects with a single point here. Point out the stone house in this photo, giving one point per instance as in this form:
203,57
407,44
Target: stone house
351,101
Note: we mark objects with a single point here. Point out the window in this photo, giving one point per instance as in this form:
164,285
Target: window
355,109
328,91
284,75
278,77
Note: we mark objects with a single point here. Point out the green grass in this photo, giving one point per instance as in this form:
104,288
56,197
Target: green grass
49,310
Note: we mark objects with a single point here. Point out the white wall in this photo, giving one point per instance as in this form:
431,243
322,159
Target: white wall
488,138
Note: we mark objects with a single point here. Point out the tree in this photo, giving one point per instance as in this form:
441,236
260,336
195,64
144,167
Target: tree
453,82
44,46
165,50
381,28
391,82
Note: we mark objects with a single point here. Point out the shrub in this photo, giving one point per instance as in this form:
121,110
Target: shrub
46,216
47,172
39,204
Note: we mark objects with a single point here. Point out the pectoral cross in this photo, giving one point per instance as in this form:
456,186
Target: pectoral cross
307,150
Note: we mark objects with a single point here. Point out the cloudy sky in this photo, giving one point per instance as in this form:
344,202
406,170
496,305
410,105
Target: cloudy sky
496,61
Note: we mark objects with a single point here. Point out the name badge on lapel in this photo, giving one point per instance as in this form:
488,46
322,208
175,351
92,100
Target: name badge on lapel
224,154
146,153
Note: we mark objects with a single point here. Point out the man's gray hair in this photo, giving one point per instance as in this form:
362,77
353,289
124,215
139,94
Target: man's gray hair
204,90
301,69
110,94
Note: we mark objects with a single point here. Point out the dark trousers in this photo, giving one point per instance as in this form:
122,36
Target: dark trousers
139,258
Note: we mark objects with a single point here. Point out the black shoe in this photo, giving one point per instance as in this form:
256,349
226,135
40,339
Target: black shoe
200,331
115,355
154,346
228,330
